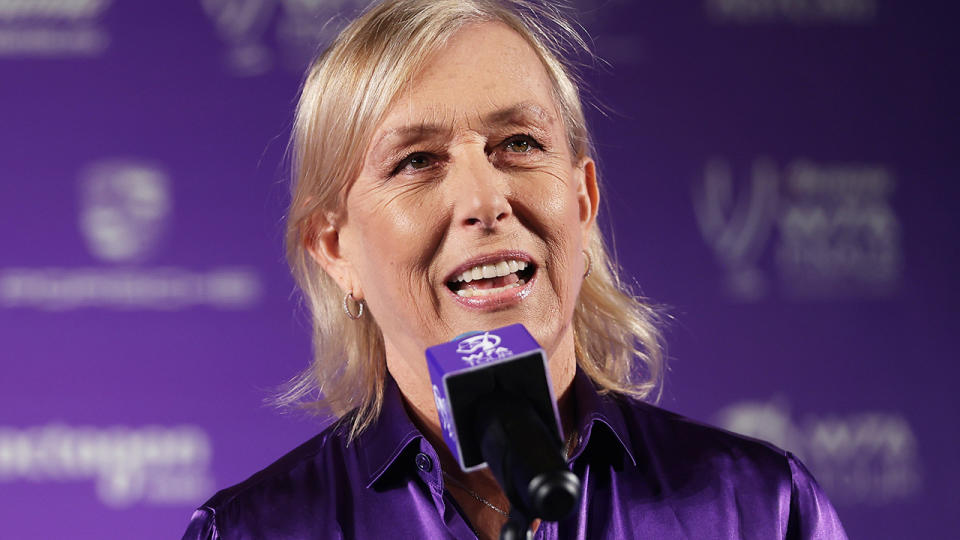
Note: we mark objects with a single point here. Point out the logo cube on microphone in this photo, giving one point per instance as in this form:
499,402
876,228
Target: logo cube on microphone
473,365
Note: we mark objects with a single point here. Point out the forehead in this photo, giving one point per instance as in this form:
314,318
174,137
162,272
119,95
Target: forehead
483,68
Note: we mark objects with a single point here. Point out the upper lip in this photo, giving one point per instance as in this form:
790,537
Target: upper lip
506,255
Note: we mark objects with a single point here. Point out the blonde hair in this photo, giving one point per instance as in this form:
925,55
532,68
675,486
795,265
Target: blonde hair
347,90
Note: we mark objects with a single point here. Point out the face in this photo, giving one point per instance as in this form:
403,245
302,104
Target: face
470,212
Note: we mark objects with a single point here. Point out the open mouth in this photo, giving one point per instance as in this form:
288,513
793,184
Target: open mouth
490,279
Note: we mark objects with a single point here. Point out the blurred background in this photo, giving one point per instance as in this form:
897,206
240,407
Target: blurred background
780,175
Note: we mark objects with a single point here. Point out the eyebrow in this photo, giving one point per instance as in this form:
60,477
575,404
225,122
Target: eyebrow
518,114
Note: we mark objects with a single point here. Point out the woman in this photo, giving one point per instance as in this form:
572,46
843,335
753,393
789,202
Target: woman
443,183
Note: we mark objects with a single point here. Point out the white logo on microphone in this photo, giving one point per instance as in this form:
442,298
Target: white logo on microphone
482,348
443,408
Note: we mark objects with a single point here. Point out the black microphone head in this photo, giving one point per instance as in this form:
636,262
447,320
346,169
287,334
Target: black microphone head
554,494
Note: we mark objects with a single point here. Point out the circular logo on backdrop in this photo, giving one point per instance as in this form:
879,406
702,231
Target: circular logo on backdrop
256,31
241,23
124,209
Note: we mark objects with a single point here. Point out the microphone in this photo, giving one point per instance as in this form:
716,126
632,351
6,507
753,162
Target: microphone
497,409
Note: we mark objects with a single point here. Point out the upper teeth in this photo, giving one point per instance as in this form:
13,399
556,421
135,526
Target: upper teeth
487,271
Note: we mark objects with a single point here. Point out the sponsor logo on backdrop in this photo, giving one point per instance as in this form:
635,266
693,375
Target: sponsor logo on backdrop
153,465
863,458
124,209
299,29
831,228
125,212
738,225
53,28
241,25
795,11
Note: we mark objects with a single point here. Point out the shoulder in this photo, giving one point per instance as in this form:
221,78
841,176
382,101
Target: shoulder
260,506
758,477
661,432
319,457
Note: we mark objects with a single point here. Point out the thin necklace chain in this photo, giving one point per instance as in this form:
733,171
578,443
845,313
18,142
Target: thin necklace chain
568,448
474,494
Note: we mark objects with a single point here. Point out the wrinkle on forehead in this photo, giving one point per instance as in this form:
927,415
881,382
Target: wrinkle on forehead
481,59
522,112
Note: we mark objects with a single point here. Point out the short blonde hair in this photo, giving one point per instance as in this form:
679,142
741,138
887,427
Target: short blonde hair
347,91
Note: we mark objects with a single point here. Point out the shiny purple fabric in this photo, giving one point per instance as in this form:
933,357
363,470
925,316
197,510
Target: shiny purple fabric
646,473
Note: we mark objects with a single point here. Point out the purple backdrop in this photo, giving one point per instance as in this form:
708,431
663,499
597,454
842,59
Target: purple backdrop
779,174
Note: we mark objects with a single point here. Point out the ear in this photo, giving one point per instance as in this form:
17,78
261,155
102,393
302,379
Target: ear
588,193
324,244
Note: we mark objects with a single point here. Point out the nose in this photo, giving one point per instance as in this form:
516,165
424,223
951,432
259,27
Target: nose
480,195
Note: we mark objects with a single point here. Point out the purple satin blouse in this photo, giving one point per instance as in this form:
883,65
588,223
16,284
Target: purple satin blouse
646,473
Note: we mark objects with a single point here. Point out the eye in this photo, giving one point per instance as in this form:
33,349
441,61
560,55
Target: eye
518,146
418,161
415,161
521,144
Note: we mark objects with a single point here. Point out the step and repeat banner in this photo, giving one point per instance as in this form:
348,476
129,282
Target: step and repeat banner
781,176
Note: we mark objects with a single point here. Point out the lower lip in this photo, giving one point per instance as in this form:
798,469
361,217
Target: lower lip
502,299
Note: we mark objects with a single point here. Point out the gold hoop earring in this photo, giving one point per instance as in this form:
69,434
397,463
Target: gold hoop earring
346,306
589,264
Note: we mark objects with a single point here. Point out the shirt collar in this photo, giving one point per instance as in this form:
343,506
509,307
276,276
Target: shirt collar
594,409
381,444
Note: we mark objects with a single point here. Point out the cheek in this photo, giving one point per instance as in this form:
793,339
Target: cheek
394,248
388,225
389,249
557,205
552,191
552,200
